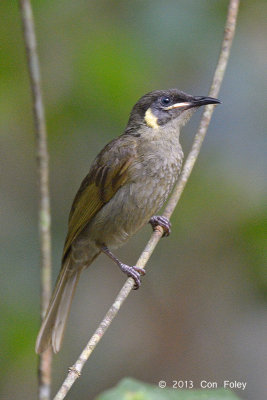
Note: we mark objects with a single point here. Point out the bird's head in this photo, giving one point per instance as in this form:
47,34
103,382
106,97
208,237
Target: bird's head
158,108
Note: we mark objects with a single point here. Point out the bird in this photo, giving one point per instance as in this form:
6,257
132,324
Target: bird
128,182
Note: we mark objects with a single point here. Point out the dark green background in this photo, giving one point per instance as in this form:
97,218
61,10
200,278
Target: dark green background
200,313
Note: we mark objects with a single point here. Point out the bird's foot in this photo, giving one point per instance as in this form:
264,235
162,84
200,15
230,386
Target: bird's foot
133,272
159,220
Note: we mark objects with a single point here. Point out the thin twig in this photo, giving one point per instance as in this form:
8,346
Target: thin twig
75,370
44,367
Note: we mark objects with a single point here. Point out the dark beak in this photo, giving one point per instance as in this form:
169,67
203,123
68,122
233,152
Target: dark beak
198,101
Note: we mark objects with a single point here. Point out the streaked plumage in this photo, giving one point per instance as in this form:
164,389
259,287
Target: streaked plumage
127,184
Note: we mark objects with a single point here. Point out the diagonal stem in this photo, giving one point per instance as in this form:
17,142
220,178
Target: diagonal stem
229,31
45,359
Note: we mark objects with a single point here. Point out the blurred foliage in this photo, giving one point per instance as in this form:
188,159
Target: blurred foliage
253,234
16,340
130,389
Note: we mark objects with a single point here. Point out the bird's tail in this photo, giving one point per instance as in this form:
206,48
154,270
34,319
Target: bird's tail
53,325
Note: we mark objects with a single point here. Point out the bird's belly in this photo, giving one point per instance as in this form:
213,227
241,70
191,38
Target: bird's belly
135,202
130,209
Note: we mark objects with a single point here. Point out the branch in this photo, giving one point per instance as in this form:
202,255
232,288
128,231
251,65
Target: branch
75,370
45,359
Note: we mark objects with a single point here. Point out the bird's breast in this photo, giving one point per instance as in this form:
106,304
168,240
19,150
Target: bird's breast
151,177
154,173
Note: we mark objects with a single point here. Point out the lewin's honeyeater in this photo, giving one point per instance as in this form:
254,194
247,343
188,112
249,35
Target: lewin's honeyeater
127,184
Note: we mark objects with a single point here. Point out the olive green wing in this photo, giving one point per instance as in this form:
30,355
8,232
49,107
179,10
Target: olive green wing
107,174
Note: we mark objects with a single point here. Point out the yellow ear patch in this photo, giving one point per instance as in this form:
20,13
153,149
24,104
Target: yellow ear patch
151,120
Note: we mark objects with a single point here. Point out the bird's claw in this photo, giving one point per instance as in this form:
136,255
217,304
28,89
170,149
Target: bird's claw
159,220
133,272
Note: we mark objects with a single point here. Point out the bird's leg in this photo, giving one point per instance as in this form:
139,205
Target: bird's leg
133,272
159,220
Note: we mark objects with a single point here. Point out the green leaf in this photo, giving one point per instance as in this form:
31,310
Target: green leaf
131,389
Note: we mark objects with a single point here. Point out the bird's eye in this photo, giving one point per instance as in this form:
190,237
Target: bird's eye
165,101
